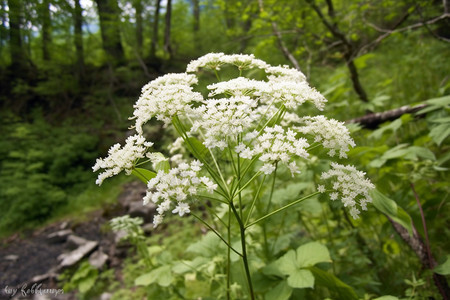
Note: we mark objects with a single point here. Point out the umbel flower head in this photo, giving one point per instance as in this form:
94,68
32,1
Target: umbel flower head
252,121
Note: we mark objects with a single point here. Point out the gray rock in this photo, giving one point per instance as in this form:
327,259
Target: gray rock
78,254
11,257
58,236
74,241
138,209
98,259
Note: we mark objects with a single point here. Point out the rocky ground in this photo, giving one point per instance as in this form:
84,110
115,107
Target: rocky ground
30,265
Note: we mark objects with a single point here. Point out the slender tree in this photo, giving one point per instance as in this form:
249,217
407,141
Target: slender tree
108,11
78,38
46,29
138,7
155,28
18,53
167,29
196,12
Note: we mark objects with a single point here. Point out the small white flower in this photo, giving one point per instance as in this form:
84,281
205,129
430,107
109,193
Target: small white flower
267,169
181,209
321,188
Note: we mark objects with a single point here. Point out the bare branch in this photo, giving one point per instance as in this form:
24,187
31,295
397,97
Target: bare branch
374,119
283,47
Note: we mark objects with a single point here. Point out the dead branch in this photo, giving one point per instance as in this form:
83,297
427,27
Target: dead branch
373,120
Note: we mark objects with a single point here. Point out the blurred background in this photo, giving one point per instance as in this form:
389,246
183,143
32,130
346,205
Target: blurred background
71,70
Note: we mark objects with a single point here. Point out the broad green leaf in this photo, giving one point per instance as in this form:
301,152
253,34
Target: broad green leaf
387,297
143,174
301,279
162,276
443,268
440,133
388,207
87,283
281,292
287,264
383,203
208,246
341,289
273,269
185,266
311,254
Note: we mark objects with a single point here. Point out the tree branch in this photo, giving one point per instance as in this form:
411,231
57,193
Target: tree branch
374,119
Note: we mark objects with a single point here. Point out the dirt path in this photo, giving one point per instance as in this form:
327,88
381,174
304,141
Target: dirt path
34,258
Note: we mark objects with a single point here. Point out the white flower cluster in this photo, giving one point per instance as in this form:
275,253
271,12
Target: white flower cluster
164,97
215,60
225,118
331,134
119,159
350,186
176,186
274,145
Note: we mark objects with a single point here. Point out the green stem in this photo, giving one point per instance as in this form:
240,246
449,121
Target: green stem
218,234
254,199
244,251
282,208
229,256
245,185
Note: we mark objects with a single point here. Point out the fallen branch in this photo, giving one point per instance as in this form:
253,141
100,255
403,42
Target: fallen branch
373,120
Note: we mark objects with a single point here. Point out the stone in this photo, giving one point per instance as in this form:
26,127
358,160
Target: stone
98,259
74,241
146,212
58,236
11,257
78,254
105,296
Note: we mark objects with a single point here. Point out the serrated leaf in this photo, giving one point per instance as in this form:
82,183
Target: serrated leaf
208,246
160,162
143,174
87,283
311,254
341,289
281,292
185,266
301,279
422,152
443,268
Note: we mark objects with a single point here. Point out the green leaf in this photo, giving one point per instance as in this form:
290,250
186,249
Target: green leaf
160,162
342,290
87,283
422,152
208,246
443,268
387,297
388,207
162,276
143,174
281,292
301,279
440,133
311,254
287,264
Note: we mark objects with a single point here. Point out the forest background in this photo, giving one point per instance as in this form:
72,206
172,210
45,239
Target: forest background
70,71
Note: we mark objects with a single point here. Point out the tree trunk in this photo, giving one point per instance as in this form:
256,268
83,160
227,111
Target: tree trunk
46,29
139,27
196,11
18,54
167,44
155,30
108,11
78,25
3,30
